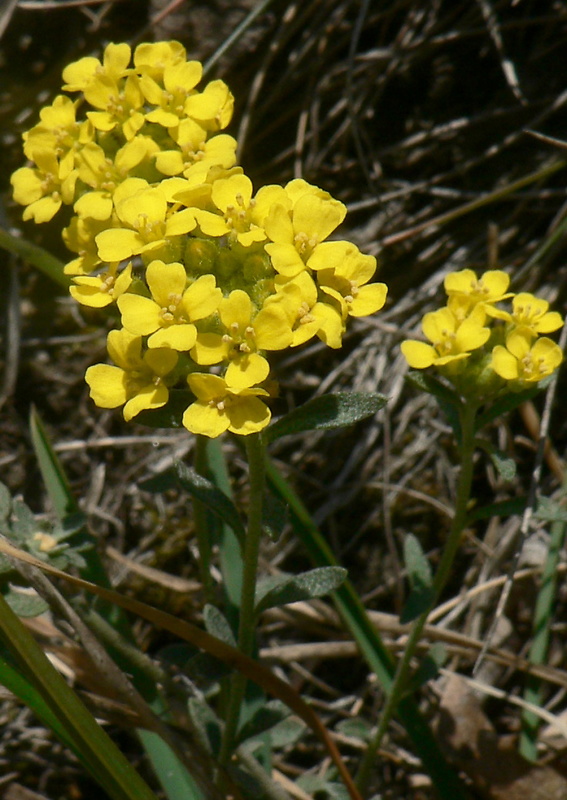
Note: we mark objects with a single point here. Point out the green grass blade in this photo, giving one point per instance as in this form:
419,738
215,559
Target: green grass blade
95,749
354,615
16,683
64,504
36,256
52,472
177,783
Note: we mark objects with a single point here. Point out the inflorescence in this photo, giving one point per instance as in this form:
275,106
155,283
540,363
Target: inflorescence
482,348
208,276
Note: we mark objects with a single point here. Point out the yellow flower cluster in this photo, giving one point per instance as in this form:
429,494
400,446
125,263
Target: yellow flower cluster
207,275
469,344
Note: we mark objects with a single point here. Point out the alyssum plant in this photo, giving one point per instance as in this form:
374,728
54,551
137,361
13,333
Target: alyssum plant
204,278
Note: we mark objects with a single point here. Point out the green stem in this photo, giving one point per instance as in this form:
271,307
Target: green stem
37,256
467,412
202,530
246,623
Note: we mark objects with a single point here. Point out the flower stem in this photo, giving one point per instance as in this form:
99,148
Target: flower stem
467,413
246,624
201,525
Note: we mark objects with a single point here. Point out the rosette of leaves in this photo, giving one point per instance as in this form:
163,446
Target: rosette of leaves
55,543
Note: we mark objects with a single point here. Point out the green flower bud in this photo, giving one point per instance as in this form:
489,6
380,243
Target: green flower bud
200,256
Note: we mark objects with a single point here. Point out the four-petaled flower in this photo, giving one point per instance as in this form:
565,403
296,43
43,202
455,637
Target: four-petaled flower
137,381
98,291
524,363
170,100
343,273
221,407
148,226
246,332
530,315
195,154
168,316
82,73
297,223
45,188
307,315
242,215
470,291
450,341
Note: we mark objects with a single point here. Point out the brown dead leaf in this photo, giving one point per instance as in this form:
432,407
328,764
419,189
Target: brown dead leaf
492,762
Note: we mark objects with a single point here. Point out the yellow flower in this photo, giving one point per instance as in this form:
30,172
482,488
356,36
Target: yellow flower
307,316
137,382
296,228
148,225
101,290
152,58
82,73
212,107
490,288
120,105
343,273
220,407
243,214
58,132
179,81
450,341
530,314
195,155
104,175
168,316
195,192
79,237
45,188
524,363
246,333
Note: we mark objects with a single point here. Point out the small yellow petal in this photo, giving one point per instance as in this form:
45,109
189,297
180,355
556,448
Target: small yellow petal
149,397
418,354
247,371
205,420
107,385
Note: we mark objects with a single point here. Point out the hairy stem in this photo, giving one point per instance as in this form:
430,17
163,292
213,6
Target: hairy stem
246,623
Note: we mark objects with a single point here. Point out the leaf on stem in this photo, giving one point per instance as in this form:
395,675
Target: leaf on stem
202,489
428,668
431,385
420,578
504,465
507,403
327,412
283,589
505,508
217,625
264,718
206,723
